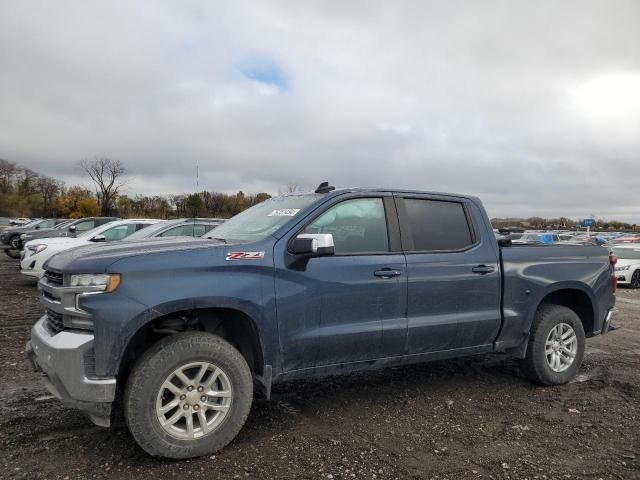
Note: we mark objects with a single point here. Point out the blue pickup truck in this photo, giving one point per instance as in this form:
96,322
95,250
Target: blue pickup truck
302,286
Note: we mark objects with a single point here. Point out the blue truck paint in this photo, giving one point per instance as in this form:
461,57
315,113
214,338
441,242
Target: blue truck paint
318,316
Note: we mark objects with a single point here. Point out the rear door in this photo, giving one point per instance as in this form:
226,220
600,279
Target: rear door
453,274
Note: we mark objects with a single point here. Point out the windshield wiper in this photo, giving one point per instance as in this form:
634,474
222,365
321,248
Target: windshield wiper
223,240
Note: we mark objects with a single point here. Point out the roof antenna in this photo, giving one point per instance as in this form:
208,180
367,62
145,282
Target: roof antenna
324,187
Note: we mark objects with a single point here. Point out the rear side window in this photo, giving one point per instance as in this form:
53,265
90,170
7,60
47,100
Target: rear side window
438,225
199,230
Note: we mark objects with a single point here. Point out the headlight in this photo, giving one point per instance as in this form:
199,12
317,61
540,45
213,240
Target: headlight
622,268
106,282
36,248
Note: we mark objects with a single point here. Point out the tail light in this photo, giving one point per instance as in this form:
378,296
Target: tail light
613,259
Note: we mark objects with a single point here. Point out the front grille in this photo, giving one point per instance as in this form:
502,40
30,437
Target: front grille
49,296
54,321
53,278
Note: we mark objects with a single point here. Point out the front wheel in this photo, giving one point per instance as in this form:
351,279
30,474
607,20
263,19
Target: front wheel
556,346
635,279
12,252
14,247
189,395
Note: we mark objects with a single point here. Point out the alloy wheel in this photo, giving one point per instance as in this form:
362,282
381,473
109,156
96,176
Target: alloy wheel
561,347
194,400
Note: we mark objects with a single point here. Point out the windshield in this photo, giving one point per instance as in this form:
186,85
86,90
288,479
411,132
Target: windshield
628,253
151,230
263,219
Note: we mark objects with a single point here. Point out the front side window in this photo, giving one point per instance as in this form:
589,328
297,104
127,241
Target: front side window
47,223
84,226
119,232
357,226
437,225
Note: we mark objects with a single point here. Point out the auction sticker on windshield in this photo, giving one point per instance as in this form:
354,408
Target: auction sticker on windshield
284,212
244,255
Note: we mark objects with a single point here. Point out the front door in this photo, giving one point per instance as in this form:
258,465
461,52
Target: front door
351,306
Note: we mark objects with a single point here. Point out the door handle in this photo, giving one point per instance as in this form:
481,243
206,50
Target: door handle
387,273
482,269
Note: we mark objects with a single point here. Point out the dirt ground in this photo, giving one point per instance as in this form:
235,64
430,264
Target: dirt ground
469,418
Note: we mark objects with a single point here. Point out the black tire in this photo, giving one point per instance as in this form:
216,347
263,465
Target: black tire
156,365
12,253
14,242
535,365
635,279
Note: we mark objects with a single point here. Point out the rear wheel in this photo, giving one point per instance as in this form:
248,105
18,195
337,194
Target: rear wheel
189,395
635,279
556,346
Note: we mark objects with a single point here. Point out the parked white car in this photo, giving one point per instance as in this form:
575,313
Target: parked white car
38,251
628,266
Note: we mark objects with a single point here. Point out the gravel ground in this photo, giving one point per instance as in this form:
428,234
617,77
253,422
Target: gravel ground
469,418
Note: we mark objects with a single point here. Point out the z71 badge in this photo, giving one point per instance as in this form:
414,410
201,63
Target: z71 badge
245,255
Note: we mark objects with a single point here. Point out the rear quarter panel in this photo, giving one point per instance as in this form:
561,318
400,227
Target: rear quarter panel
530,273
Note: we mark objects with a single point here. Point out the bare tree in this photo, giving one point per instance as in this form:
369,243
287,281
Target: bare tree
8,170
49,188
107,175
289,188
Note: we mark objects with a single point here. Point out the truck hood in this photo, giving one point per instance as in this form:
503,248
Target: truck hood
58,241
96,258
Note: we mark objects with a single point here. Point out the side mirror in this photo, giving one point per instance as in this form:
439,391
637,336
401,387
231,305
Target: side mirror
313,244
504,241
37,227
72,228
98,238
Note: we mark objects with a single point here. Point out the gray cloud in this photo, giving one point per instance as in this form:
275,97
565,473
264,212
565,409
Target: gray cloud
534,106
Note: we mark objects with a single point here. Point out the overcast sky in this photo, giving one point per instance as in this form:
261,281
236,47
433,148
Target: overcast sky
533,106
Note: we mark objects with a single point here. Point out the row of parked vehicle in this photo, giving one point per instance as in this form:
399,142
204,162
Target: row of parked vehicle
36,242
625,245
521,237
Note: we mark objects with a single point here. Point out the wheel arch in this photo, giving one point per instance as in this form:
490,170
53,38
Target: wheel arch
574,298
231,324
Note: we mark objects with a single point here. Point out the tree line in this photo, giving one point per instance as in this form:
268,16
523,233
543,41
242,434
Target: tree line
25,193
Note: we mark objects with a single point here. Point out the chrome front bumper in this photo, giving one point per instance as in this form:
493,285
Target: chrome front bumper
62,360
